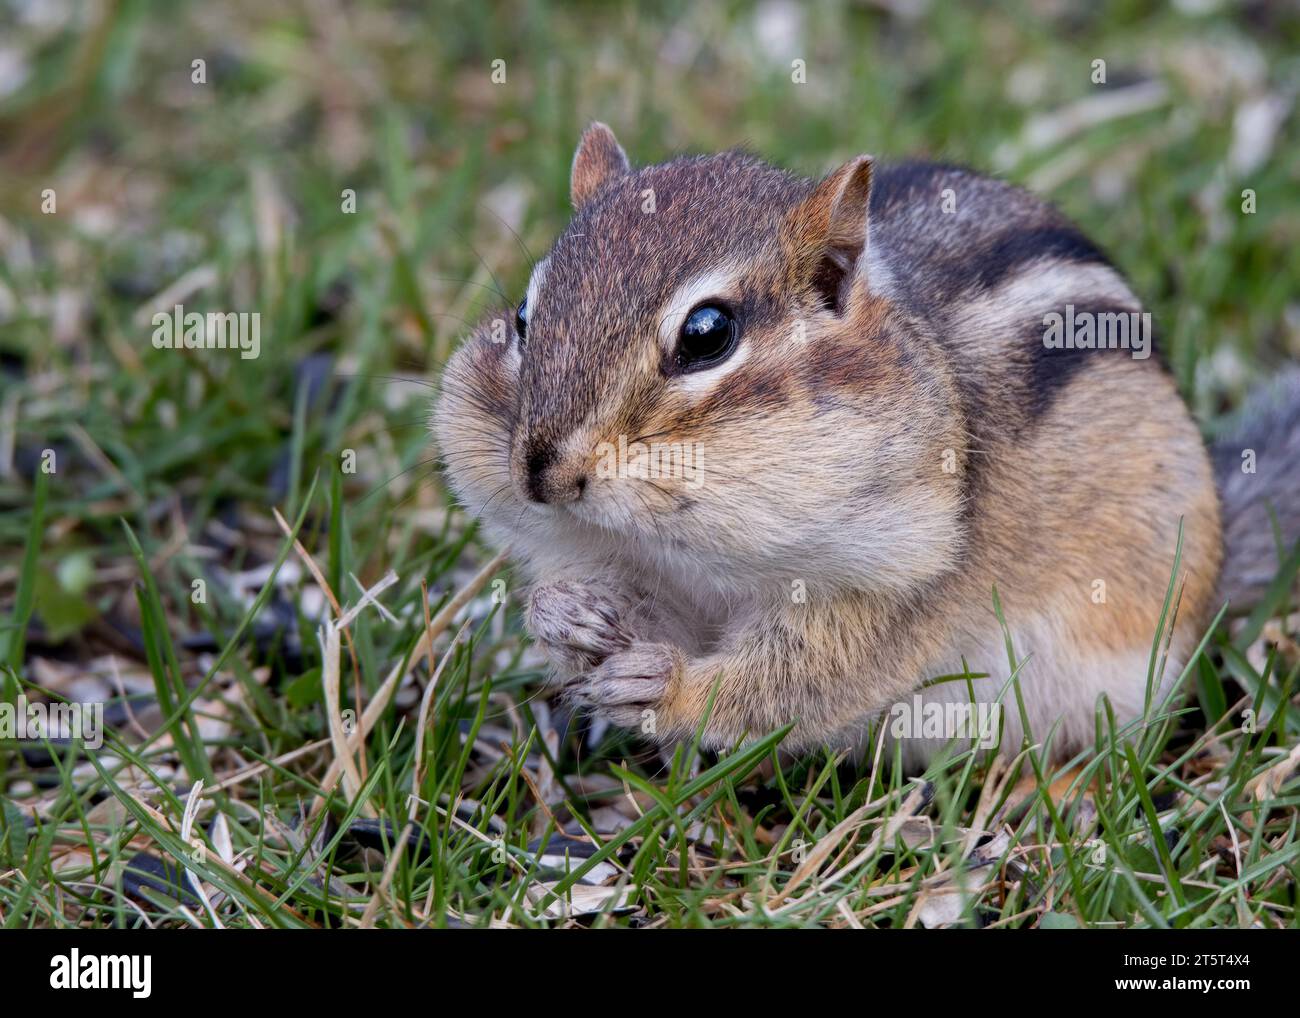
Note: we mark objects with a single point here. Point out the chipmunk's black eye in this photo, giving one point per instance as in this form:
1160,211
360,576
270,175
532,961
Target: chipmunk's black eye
521,320
708,337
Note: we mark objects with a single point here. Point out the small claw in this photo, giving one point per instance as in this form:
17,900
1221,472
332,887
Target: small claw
628,682
577,624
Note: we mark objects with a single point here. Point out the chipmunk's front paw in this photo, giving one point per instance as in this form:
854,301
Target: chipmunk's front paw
577,624
632,686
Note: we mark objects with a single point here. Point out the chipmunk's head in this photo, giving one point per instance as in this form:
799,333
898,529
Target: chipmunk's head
702,368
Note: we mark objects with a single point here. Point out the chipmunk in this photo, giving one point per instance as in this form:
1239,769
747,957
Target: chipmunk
881,434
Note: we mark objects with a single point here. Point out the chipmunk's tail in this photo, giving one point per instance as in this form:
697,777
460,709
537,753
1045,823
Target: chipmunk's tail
1257,467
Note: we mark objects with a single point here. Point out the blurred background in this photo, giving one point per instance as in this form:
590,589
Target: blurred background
368,177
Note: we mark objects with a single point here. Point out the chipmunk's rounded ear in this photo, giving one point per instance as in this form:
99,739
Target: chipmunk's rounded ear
829,231
600,158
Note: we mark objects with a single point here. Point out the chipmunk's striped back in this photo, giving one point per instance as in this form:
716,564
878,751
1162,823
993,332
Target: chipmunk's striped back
984,263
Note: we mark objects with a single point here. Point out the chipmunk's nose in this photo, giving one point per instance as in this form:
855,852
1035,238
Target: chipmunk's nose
550,480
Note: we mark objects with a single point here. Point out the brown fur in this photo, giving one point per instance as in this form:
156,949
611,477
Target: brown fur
891,443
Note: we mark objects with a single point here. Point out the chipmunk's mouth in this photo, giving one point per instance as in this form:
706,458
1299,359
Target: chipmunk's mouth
590,510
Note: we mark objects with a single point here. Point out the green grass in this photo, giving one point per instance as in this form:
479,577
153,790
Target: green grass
168,465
